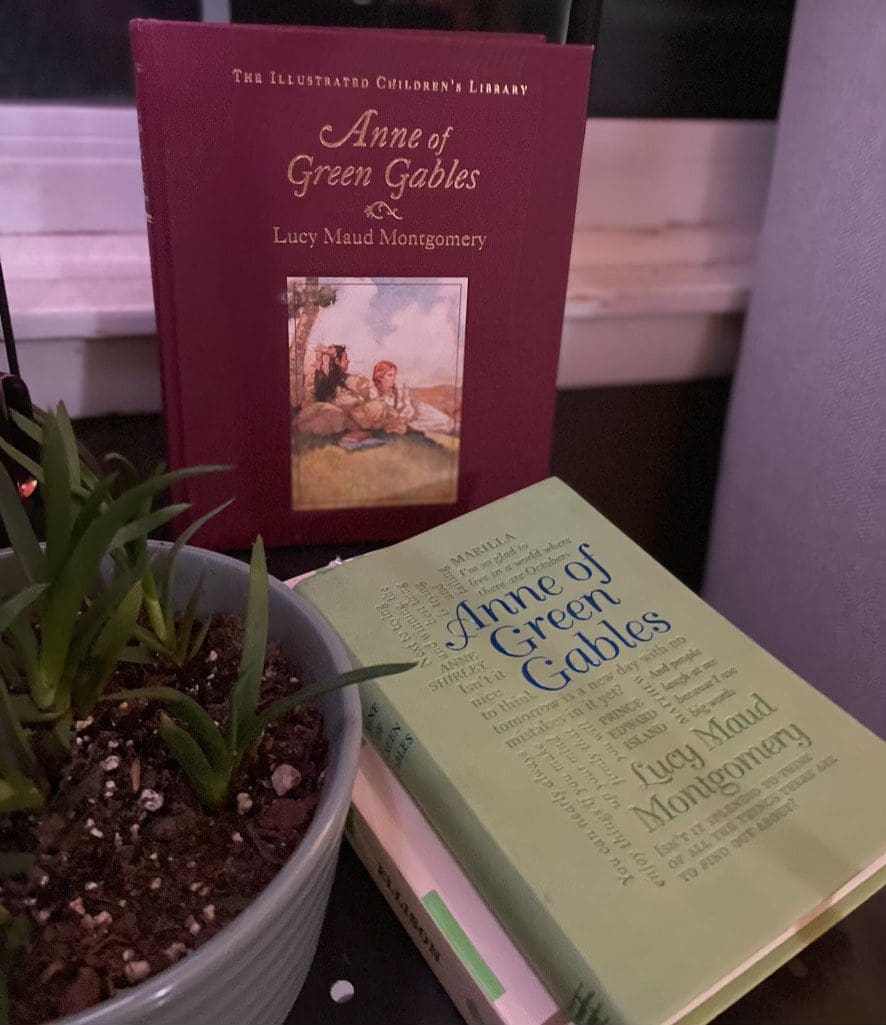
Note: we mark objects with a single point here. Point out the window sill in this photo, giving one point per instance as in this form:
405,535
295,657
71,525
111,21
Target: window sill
659,276
99,285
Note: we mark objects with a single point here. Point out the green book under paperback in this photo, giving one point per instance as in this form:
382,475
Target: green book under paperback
658,812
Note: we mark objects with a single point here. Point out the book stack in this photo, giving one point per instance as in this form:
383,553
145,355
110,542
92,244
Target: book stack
464,944
629,812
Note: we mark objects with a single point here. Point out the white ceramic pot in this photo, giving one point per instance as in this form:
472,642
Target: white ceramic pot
252,971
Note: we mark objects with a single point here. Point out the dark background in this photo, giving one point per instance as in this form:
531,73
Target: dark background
646,457
655,58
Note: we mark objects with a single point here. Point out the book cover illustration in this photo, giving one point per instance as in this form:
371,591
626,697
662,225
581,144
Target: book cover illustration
375,375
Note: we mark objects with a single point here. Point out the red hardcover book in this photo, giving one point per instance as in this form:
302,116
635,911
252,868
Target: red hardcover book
359,242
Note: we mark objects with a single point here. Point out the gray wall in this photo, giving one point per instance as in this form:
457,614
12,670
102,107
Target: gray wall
798,550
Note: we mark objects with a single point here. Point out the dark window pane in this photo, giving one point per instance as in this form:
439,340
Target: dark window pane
655,58
689,58
545,17
74,49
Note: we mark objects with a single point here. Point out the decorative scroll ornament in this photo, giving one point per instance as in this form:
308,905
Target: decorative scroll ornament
380,209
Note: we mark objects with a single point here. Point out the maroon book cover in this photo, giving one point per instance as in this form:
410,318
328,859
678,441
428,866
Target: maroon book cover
360,241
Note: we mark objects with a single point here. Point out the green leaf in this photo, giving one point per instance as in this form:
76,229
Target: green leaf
11,609
57,497
20,632
14,934
25,645
99,496
9,670
314,691
34,469
188,711
170,560
91,622
150,642
140,528
61,734
27,426
246,690
210,784
28,714
186,625
151,602
19,530
69,440
281,706
68,591
18,794
127,464
118,630
133,547
61,426
200,638
106,651
17,759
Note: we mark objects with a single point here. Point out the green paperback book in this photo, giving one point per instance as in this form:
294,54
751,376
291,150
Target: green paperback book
658,812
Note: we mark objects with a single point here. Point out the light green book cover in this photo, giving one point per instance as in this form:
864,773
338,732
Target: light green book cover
658,811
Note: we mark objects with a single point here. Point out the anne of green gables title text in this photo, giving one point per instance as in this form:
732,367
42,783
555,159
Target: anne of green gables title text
578,599
400,173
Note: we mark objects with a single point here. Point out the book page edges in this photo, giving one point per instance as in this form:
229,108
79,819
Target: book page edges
783,947
424,862
153,149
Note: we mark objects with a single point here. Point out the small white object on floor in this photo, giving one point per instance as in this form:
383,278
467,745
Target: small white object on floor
341,991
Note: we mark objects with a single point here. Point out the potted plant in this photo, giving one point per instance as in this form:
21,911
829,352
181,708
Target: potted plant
171,801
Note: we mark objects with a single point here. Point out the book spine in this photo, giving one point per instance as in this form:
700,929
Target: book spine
472,1000
523,912
152,142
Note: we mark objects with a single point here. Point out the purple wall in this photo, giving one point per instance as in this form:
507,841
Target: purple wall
798,550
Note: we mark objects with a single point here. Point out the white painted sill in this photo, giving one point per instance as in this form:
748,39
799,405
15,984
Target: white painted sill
662,259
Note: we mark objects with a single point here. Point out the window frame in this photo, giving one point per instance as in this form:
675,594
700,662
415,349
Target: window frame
666,224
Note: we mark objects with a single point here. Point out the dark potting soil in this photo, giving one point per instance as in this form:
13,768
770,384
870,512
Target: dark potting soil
130,874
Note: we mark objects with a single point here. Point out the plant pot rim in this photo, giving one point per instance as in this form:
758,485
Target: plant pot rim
160,988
